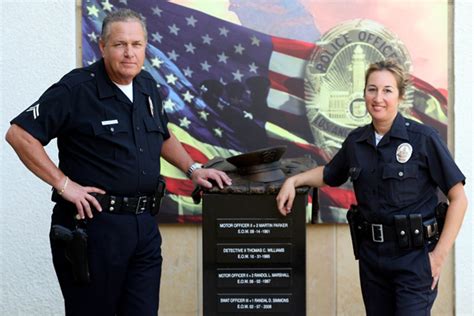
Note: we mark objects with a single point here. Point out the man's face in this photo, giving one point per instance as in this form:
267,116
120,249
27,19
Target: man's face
123,51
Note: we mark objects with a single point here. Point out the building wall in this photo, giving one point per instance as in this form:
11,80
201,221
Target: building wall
38,46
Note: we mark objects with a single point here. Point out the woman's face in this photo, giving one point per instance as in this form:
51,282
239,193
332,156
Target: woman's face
382,96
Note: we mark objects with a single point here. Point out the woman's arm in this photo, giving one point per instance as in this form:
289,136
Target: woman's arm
312,178
452,225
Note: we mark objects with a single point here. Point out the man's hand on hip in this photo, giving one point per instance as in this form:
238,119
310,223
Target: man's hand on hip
81,198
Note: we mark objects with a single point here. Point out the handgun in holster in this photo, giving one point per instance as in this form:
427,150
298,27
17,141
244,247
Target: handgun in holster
158,196
75,250
353,219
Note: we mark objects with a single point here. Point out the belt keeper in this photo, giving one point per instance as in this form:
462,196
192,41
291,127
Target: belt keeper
66,182
431,229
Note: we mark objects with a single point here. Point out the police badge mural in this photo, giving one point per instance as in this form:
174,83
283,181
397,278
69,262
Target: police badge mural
334,82
256,74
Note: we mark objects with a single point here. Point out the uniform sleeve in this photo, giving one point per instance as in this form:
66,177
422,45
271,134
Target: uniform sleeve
442,168
336,171
45,118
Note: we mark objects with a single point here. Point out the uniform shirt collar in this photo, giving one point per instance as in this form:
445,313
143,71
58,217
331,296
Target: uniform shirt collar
107,88
398,130
141,84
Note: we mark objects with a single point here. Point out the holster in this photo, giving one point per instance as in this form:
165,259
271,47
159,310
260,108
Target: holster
158,196
440,214
353,219
75,250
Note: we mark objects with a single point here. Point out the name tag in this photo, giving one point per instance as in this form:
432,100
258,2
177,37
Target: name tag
109,122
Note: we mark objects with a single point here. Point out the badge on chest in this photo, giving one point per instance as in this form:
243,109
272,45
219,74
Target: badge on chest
404,152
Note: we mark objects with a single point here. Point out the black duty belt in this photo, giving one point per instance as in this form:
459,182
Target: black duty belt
123,204
380,233
377,232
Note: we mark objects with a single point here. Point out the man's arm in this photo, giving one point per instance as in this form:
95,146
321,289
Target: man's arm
31,152
175,153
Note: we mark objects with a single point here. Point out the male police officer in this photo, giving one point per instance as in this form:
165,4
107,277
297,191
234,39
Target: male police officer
111,130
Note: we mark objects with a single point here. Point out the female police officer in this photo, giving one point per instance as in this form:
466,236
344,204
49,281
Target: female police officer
396,166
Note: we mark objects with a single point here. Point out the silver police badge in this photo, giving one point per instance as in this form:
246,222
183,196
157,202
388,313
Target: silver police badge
404,152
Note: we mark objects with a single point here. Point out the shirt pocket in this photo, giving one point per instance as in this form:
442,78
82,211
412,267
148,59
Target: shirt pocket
154,136
109,140
400,182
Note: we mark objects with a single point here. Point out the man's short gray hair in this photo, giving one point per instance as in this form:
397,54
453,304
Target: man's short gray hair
121,15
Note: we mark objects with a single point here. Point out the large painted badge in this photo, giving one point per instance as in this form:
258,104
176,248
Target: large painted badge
334,81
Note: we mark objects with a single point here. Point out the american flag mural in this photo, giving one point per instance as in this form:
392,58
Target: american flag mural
226,89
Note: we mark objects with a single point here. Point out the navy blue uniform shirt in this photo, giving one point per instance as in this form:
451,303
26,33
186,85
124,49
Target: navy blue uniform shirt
104,139
384,186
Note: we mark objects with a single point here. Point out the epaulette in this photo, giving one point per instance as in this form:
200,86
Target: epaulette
76,77
420,128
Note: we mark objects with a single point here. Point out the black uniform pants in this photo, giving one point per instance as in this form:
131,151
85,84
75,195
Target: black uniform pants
396,281
124,253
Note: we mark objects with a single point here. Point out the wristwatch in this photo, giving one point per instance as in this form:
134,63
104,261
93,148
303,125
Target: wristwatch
193,168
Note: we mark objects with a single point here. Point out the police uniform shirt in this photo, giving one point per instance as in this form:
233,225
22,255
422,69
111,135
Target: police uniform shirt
384,185
104,139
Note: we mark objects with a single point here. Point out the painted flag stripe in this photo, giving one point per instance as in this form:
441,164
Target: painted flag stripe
295,48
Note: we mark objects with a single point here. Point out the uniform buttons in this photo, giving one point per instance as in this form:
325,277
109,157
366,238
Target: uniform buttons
111,208
402,233
407,124
137,128
112,129
141,149
416,231
143,172
400,174
92,75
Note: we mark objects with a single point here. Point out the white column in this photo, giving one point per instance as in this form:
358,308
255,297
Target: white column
463,150
37,47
